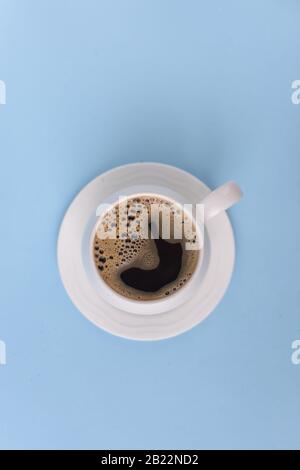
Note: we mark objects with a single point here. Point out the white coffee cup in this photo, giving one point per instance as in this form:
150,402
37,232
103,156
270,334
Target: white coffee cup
215,202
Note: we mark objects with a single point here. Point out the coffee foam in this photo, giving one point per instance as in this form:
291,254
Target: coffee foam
117,250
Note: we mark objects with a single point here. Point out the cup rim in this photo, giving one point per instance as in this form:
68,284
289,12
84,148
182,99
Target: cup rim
136,302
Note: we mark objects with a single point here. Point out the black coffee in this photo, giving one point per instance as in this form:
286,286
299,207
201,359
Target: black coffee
168,269
143,268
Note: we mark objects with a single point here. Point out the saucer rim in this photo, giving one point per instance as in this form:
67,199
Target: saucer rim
136,333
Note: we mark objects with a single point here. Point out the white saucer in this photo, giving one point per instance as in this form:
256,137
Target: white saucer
76,228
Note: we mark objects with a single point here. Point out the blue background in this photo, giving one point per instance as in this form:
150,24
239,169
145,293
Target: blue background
206,86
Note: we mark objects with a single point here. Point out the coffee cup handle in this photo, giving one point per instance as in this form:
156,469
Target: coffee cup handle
221,199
